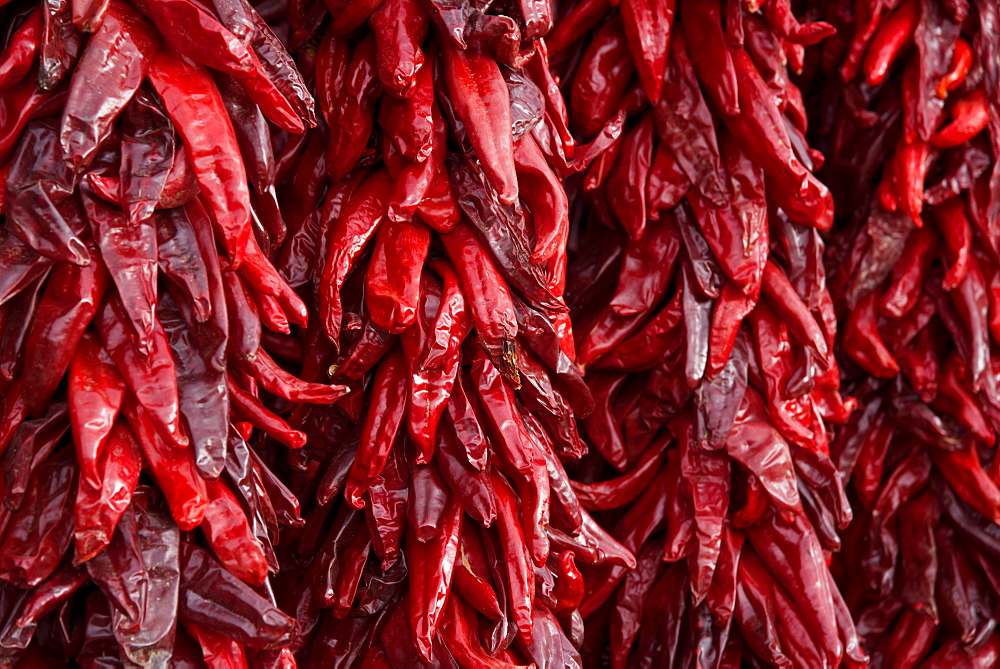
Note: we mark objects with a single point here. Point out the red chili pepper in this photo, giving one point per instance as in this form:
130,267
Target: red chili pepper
961,63
482,102
358,221
436,558
229,535
969,117
400,27
355,110
515,556
894,35
68,304
433,349
19,54
61,43
392,284
116,59
710,57
380,427
647,24
194,105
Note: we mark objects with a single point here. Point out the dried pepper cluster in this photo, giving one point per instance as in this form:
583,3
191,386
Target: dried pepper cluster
916,286
698,294
396,333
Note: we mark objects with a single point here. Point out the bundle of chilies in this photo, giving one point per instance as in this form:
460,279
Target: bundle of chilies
424,333
706,332
916,288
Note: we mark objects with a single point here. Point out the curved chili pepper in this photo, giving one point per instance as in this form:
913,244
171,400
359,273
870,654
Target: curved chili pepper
400,27
147,156
96,392
516,559
432,347
409,122
116,59
969,117
392,283
380,428
213,598
68,304
482,102
961,63
864,344
486,292
128,249
623,489
909,273
626,183
355,110
789,306
911,639
195,106
100,503
436,559
544,198
710,57
358,222
61,43
895,33
602,78
20,51
279,382
39,208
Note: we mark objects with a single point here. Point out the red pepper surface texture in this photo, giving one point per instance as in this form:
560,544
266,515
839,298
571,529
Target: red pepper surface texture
398,333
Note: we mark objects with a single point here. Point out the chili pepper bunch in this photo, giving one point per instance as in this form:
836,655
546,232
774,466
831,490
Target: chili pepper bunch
139,215
915,286
698,294
429,235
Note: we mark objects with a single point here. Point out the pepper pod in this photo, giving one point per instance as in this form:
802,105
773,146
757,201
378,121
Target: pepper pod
698,297
139,218
916,263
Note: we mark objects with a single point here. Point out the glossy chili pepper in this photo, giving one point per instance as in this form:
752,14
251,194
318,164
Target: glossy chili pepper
173,468
400,27
513,547
100,503
277,381
482,102
214,599
437,558
392,284
195,106
358,222
39,532
60,46
38,185
489,299
67,306
969,118
381,427
355,110
128,249
602,78
229,535
894,34
432,347
961,62
116,59
20,51
710,58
